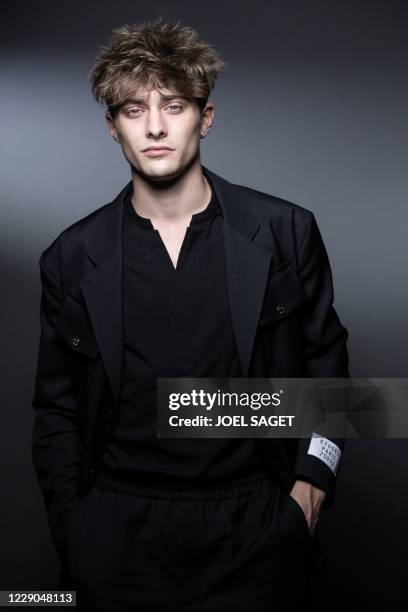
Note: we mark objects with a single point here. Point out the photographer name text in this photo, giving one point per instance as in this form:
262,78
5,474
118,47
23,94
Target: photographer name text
237,420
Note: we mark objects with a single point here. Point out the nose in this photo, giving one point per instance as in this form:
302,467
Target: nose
155,125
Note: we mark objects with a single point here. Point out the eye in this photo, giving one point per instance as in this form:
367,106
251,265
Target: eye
176,106
133,111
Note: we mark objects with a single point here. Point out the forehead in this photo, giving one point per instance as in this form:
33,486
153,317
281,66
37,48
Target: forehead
145,95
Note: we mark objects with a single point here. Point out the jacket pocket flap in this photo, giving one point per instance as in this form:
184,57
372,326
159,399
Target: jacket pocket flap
283,294
75,328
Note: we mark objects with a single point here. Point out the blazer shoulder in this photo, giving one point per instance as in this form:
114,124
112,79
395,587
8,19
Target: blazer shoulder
286,217
71,238
267,203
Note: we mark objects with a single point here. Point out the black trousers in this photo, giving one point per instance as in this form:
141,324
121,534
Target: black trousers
242,548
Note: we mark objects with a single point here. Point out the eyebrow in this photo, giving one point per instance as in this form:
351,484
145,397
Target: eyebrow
162,97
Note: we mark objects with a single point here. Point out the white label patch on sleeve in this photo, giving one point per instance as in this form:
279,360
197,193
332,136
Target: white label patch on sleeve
326,450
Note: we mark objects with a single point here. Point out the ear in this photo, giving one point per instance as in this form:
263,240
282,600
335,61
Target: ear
207,118
111,126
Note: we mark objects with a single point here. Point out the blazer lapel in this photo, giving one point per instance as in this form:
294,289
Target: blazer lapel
247,269
102,289
248,262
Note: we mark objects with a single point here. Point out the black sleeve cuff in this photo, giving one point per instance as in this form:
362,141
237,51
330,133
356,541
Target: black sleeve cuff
311,469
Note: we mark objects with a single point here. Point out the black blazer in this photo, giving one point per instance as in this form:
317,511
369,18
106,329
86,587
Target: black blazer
281,294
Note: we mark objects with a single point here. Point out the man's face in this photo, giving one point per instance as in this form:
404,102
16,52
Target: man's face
160,119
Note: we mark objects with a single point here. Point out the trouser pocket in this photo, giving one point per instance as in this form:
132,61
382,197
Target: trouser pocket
301,517
74,528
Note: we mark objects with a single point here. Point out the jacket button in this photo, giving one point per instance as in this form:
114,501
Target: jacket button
282,310
75,341
109,414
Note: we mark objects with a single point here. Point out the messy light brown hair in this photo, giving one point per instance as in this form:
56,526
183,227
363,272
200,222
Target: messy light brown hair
154,54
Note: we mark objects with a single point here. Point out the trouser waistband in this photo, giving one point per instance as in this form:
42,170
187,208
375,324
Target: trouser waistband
234,488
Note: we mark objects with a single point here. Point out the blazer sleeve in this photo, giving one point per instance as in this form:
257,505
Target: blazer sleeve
326,356
55,434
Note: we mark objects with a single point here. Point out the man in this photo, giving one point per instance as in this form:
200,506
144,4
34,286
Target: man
184,274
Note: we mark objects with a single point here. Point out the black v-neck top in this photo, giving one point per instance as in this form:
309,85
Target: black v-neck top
176,324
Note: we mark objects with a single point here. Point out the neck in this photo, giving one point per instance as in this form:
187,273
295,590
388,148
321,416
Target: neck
173,199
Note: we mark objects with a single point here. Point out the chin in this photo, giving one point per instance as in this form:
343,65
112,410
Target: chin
160,171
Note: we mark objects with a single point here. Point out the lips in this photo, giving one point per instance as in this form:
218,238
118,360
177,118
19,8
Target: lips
156,152
156,148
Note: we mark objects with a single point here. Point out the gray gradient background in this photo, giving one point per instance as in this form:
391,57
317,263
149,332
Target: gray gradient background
311,109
